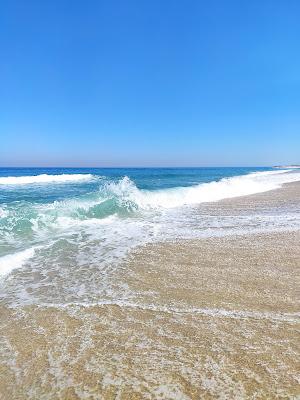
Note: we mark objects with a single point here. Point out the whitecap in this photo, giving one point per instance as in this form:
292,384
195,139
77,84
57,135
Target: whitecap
44,178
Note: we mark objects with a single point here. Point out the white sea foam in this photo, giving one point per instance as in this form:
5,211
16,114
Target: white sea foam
235,186
44,178
17,260
3,213
92,234
210,312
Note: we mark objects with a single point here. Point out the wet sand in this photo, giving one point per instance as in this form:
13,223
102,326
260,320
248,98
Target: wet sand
214,318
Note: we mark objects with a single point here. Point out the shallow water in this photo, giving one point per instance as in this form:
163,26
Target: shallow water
213,319
64,233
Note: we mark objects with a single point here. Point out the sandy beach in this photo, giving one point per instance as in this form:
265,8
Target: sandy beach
150,200
215,318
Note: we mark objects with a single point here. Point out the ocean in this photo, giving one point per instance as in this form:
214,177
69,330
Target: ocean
64,233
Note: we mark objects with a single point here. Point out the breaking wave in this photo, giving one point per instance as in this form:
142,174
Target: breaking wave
128,194
85,236
123,198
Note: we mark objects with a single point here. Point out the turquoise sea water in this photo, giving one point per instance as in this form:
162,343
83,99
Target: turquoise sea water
64,232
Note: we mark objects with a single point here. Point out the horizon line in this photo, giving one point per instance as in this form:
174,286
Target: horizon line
149,167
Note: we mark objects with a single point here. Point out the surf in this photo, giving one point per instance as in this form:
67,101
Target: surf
43,179
257,182
14,261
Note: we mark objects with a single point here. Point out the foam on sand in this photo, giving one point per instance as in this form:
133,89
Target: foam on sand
210,312
44,178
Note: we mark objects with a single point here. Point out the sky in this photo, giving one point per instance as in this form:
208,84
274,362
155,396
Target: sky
149,83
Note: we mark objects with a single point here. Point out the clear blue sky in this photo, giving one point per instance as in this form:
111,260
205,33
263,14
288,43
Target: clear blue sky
149,82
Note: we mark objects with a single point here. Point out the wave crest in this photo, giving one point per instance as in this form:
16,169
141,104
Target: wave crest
122,199
130,196
43,178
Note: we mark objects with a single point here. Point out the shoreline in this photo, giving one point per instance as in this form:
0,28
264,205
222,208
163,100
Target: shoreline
210,317
286,195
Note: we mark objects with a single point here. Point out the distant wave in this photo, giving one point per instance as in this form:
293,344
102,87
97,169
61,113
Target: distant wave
44,178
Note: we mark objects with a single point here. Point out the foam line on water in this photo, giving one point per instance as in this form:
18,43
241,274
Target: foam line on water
211,312
16,260
3,213
43,178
